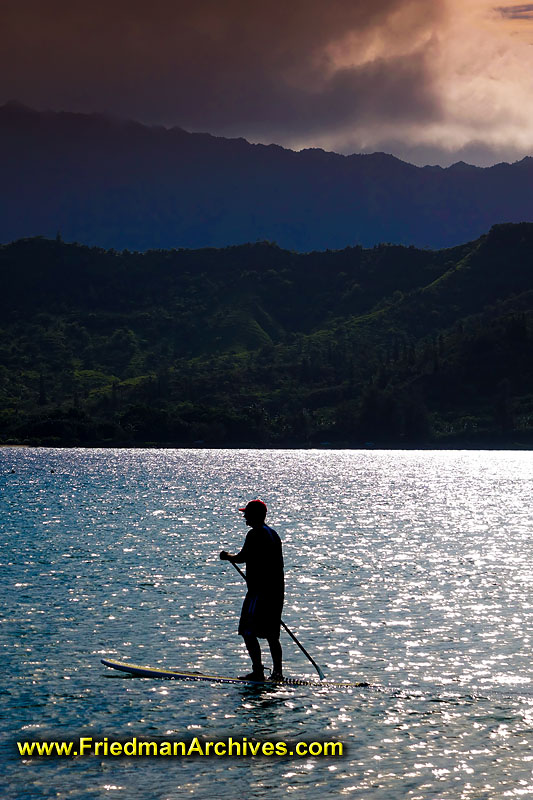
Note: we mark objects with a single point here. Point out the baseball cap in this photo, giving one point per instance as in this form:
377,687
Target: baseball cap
255,505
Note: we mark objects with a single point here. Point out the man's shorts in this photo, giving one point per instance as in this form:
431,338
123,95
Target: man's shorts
261,616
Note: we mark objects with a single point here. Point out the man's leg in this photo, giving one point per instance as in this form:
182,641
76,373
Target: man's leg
252,645
277,656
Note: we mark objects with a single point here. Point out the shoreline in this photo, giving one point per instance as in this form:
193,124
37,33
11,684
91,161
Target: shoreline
457,447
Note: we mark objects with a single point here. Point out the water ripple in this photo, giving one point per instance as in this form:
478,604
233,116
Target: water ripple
409,570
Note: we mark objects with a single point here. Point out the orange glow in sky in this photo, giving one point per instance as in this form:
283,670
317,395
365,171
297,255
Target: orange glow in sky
479,60
431,81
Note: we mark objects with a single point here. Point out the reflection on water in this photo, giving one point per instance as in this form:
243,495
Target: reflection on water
410,570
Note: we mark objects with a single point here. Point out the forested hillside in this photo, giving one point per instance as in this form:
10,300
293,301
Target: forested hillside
255,345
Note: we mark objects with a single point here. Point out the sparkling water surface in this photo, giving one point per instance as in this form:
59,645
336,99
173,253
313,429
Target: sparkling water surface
411,571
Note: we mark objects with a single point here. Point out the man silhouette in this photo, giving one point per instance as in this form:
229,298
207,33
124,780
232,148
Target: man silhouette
261,610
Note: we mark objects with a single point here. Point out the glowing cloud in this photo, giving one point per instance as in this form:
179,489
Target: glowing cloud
429,81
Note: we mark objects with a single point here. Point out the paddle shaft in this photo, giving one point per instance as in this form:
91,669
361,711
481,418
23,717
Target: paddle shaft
291,634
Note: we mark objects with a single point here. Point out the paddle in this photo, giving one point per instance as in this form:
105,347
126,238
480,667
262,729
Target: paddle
291,634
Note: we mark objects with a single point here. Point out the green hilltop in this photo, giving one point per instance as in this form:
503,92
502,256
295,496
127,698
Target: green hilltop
257,346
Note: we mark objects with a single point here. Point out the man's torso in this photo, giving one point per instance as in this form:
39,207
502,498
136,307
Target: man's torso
264,561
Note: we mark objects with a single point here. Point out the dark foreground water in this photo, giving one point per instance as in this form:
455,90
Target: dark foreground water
409,570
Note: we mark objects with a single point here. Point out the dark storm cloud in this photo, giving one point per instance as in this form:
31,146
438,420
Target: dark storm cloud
517,12
229,66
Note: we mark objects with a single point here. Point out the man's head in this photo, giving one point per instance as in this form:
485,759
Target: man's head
254,512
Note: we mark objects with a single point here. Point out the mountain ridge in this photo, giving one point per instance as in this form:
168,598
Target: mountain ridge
122,184
15,108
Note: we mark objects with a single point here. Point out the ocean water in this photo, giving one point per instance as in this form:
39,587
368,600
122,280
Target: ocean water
411,571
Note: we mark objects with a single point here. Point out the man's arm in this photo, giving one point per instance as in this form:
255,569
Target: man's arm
239,558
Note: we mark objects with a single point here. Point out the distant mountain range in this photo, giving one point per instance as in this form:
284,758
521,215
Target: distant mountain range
123,185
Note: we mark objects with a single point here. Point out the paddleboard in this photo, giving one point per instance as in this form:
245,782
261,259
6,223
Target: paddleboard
181,675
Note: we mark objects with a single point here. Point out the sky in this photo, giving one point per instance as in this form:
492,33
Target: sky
430,81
